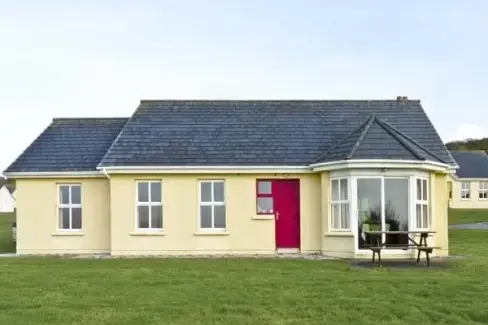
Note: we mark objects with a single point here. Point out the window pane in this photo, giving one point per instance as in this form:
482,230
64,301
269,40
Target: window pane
264,187
64,194
155,192
157,216
425,216
418,216
424,189
205,216
219,216
419,189
335,190
265,205
335,216
143,192
343,189
218,192
64,218
75,218
206,192
143,217
344,216
76,194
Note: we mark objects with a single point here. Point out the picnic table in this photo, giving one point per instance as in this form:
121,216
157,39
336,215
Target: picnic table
421,246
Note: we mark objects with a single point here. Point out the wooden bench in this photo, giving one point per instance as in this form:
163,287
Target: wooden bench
426,249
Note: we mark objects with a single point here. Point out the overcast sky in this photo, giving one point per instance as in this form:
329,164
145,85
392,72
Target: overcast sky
99,58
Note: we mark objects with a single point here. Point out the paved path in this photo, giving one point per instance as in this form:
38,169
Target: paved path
477,226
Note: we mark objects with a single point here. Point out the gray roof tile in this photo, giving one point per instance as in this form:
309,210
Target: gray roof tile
72,144
376,139
472,164
297,132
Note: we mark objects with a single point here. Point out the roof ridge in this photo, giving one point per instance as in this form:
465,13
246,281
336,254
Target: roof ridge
339,142
397,137
392,128
367,127
88,118
275,100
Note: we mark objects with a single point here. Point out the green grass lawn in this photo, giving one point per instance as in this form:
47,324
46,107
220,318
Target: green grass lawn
244,291
457,216
6,244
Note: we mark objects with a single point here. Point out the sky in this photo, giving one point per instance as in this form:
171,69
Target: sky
98,58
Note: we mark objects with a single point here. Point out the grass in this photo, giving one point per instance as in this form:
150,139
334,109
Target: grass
6,244
244,291
458,216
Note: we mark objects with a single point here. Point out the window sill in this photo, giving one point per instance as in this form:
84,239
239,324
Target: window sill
264,217
68,233
211,233
147,233
339,234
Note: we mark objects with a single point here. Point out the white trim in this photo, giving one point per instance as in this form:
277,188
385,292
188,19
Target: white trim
211,204
424,182
355,226
380,163
69,206
149,204
340,202
74,174
483,188
466,191
204,169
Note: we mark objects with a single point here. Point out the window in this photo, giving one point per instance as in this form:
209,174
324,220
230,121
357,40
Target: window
149,205
449,186
422,205
212,205
265,204
465,190
483,191
69,207
340,220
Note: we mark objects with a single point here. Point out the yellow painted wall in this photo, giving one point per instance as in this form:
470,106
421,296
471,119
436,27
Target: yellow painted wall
440,212
109,219
37,218
245,234
474,202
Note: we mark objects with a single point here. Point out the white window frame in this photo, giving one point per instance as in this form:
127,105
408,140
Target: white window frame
465,191
483,191
149,204
424,183
340,202
212,204
70,206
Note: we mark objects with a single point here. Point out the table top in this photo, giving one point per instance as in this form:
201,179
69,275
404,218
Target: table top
401,232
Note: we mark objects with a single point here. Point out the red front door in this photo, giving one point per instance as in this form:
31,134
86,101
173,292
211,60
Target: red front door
286,197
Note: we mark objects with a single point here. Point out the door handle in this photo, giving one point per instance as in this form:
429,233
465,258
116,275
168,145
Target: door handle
277,215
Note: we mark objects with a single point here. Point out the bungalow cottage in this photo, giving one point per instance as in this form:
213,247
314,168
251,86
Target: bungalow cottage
468,187
233,177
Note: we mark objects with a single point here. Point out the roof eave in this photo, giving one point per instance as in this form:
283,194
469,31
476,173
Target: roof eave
55,174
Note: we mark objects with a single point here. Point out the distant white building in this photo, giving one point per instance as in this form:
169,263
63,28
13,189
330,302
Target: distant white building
7,198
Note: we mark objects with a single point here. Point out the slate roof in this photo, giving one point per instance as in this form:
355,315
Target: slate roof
472,164
238,133
269,132
364,143
69,144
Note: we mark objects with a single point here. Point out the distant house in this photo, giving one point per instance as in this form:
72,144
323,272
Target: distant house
234,177
468,188
7,197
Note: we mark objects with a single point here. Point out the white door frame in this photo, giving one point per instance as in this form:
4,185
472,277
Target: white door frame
355,212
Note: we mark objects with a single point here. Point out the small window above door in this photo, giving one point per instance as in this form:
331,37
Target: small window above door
264,197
